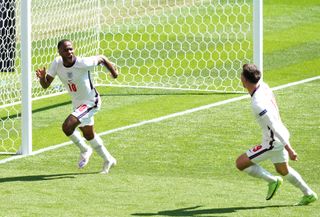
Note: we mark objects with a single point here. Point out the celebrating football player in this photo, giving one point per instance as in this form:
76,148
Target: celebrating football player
74,73
275,144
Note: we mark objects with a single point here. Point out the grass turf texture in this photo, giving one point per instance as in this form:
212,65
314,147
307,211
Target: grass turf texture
183,166
169,167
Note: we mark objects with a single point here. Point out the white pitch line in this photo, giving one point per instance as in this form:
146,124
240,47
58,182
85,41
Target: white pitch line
155,120
296,83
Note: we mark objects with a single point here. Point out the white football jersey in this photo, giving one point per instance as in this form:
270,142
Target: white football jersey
76,79
266,111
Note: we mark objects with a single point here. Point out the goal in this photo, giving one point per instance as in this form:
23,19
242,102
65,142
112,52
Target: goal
179,44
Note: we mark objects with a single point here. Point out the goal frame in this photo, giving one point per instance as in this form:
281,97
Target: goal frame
26,88
26,113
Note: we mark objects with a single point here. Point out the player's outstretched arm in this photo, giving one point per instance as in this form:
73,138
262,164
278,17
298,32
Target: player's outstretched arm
109,65
44,79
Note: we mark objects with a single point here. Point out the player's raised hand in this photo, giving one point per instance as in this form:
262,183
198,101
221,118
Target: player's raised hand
41,73
44,79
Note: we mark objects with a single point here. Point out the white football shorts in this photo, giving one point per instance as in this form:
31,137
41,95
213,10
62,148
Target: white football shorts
86,111
275,151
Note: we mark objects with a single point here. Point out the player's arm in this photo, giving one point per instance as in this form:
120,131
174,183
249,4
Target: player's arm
44,79
109,65
267,118
279,130
292,153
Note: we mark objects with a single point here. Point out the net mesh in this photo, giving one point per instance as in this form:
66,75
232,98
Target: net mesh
179,44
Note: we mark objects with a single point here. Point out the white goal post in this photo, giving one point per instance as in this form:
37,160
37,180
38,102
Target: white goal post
168,44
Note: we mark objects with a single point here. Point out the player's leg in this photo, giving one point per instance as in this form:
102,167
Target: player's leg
70,124
68,128
296,180
85,114
243,163
97,144
248,162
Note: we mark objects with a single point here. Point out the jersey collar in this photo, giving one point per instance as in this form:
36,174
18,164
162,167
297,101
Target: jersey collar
255,90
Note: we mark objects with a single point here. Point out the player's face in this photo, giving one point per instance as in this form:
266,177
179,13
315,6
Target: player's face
66,51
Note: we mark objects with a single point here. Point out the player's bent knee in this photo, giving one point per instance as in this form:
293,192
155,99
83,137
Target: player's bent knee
282,172
69,125
243,162
88,137
68,130
282,169
88,132
240,167
239,164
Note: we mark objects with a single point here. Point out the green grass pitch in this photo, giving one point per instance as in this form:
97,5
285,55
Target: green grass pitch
183,166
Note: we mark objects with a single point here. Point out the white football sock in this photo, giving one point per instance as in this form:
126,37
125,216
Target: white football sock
258,172
97,144
295,179
78,140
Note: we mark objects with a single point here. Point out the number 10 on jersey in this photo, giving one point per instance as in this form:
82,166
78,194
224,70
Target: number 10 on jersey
72,87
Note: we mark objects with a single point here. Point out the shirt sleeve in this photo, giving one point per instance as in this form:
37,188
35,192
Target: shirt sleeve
274,123
52,71
89,61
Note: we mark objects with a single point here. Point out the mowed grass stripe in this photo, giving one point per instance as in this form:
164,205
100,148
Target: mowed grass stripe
154,120
180,167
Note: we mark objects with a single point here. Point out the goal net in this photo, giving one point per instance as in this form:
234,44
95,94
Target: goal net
52,21
180,44
169,44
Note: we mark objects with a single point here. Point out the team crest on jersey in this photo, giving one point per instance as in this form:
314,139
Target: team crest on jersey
69,74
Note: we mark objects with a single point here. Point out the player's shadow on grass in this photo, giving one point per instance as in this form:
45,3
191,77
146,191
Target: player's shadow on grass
194,211
42,177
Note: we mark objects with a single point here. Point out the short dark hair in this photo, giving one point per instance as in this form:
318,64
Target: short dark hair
61,42
251,73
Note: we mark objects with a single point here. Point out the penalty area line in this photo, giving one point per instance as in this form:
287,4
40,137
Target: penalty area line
159,119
